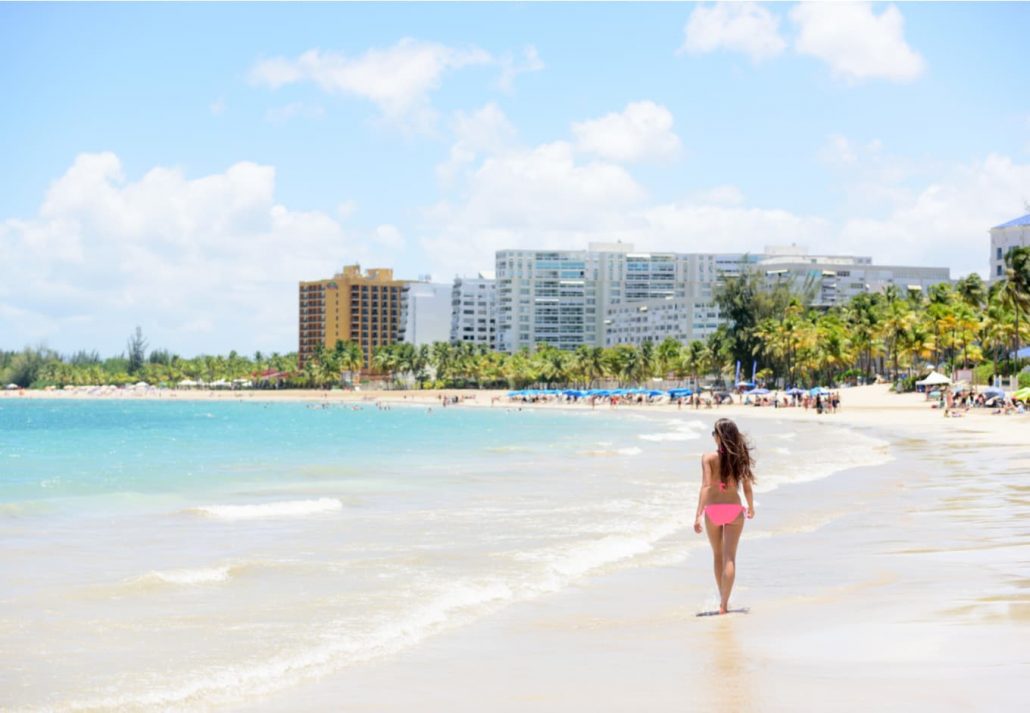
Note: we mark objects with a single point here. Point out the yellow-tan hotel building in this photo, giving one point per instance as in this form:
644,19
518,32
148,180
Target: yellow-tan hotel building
351,307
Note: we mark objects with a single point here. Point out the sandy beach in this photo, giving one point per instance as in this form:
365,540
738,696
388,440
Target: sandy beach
889,587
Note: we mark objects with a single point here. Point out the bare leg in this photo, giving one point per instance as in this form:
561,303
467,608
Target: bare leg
715,540
730,538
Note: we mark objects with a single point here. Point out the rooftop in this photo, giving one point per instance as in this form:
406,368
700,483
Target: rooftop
1025,220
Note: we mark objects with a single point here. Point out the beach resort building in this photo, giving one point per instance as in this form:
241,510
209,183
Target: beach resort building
1004,237
474,310
837,278
425,313
610,294
364,308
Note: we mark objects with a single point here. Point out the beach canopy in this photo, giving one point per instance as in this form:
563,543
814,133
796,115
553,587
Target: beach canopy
746,383
11,387
934,379
993,391
795,391
819,390
756,392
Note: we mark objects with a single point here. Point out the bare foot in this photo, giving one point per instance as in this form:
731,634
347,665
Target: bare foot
723,608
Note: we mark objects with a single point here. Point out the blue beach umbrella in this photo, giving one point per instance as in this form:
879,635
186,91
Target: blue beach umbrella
756,392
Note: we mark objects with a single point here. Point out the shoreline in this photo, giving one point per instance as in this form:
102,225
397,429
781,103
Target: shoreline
872,405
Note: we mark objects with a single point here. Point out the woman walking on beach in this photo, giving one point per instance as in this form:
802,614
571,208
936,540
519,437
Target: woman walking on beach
718,501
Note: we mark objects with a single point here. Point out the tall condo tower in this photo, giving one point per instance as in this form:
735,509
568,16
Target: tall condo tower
352,306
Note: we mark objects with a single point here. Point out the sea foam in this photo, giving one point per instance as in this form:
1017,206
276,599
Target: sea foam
285,508
186,577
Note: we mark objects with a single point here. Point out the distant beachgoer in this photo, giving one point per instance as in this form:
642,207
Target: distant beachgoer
718,502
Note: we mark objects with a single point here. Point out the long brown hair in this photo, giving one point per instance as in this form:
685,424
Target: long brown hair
735,459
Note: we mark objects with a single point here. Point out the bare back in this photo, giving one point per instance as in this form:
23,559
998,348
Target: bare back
716,495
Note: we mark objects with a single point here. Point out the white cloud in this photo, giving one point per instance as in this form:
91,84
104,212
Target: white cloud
946,221
485,130
398,79
294,110
346,209
739,27
540,196
856,43
170,253
389,237
510,68
719,195
543,197
641,131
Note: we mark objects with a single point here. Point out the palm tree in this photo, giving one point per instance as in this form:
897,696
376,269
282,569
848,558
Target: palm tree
697,360
666,354
1015,287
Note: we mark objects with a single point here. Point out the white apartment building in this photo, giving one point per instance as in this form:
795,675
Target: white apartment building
1004,237
838,278
474,310
609,294
425,313
605,295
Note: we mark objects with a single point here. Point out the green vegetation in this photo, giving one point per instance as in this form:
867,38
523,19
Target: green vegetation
894,335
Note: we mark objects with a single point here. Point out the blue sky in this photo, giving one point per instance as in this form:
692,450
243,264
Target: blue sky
182,166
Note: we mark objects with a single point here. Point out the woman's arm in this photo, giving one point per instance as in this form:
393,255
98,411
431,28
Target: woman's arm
750,499
702,493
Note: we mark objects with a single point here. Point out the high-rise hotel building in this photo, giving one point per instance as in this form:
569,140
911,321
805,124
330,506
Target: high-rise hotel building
610,294
351,307
1004,237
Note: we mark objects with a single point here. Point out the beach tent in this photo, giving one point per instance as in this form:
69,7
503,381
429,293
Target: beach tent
819,390
934,379
794,391
12,387
187,382
756,392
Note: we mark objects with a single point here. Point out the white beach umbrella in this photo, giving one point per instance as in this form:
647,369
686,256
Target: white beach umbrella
934,379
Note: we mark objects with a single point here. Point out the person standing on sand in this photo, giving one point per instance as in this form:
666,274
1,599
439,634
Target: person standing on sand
718,501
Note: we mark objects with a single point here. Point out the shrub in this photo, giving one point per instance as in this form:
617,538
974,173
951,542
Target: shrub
1024,379
905,385
984,373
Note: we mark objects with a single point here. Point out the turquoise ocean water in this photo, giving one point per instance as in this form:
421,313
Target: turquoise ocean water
187,555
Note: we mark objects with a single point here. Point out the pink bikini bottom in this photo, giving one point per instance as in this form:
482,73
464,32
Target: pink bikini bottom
723,514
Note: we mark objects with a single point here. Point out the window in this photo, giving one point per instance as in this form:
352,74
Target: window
999,271
999,257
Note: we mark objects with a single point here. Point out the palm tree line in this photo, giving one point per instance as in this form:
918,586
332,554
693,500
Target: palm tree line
892,334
